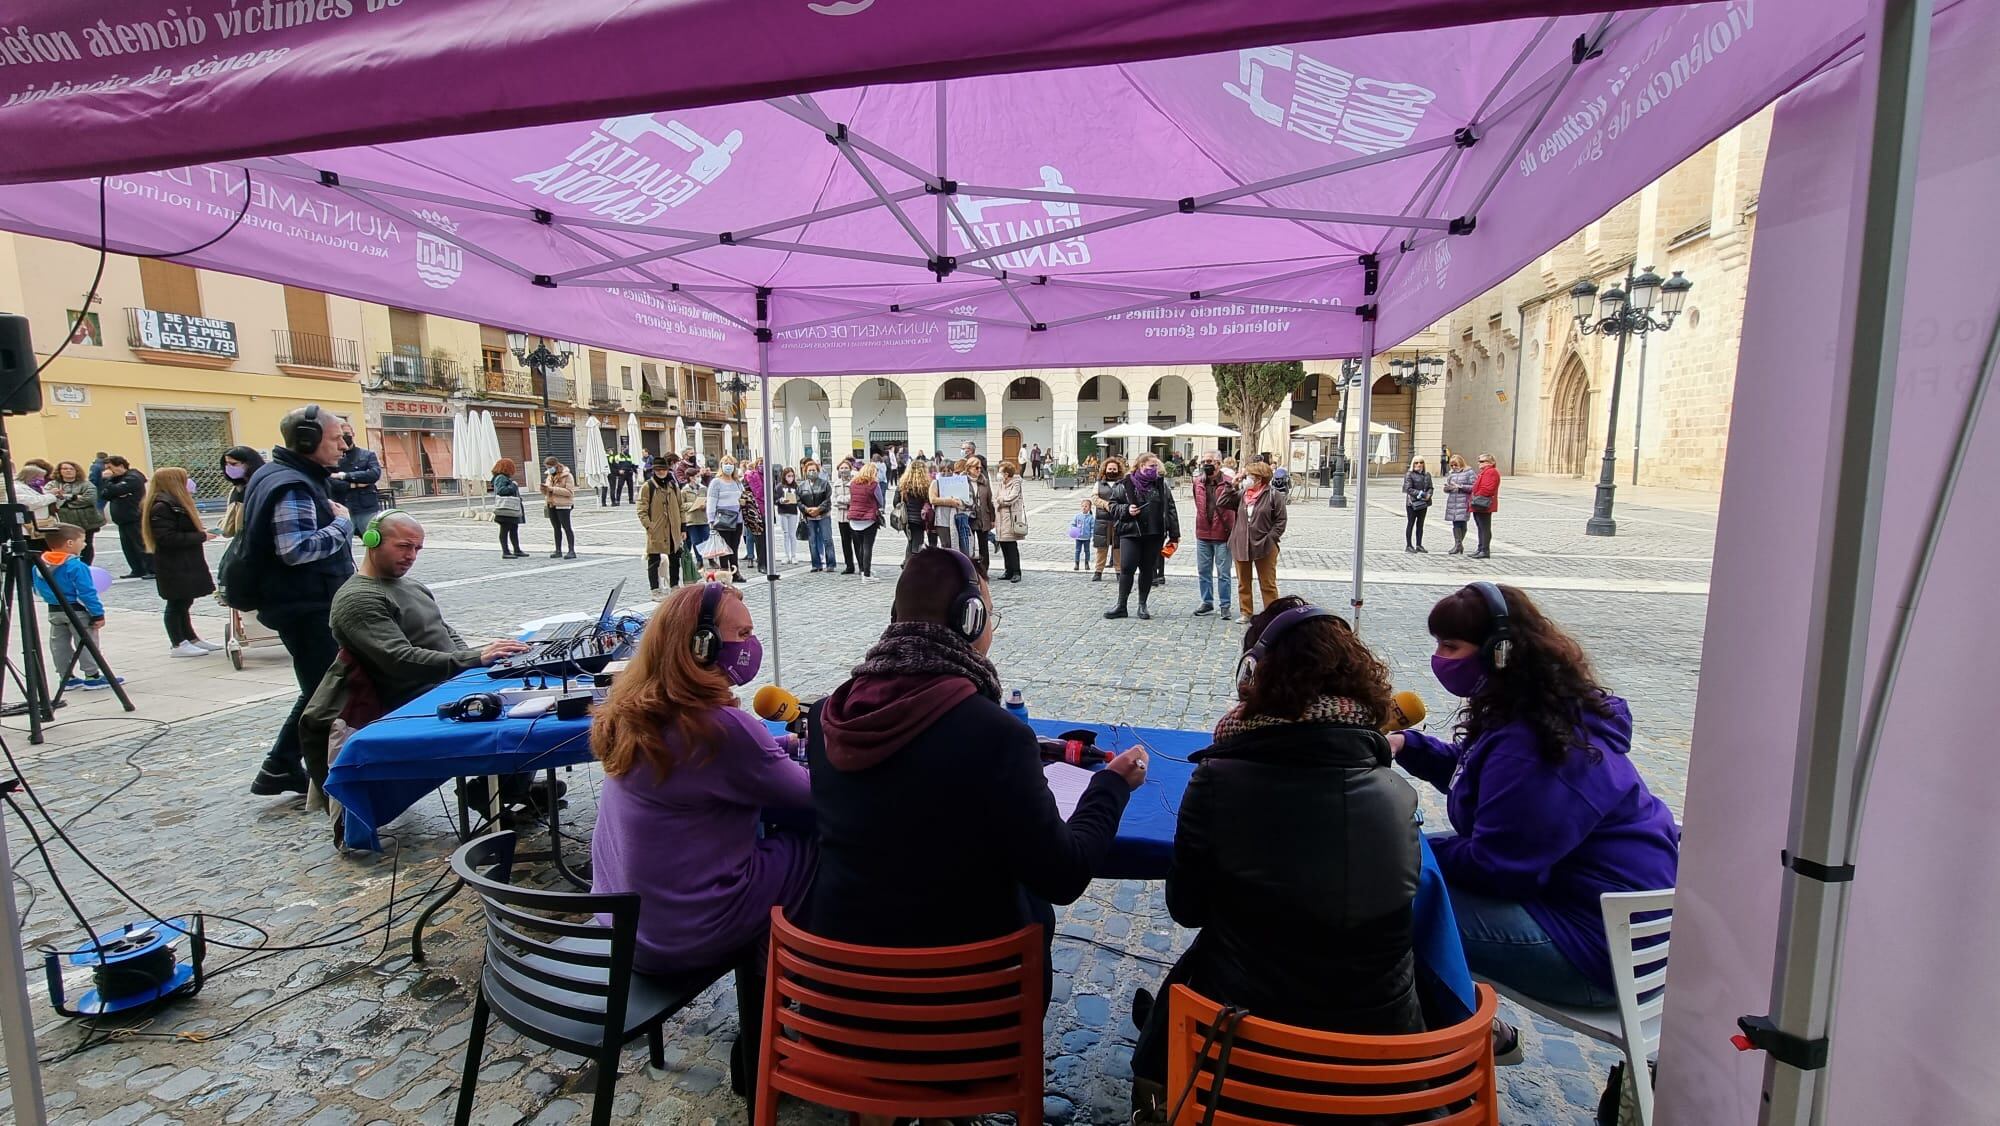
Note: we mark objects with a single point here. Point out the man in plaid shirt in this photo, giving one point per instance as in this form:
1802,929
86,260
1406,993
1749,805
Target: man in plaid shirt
296,541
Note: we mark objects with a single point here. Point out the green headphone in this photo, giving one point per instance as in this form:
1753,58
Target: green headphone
372,537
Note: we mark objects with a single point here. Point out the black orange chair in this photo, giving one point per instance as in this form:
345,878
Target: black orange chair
1269,1072
908,1033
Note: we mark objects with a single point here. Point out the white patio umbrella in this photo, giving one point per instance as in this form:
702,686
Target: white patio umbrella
596,468
633,439
700,458
461,458
793,451
812,450
1385,448
728,440
489,442
1207,430
1141,430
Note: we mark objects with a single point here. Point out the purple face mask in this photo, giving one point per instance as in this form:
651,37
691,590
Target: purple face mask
740,660
1461,676
233,472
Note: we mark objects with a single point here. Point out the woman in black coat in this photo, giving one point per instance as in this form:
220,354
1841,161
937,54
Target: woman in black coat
1296,853
174,535
1144,520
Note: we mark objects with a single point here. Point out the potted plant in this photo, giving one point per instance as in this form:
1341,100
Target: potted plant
1062,475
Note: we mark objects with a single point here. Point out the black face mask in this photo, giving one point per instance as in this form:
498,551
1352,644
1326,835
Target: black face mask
347,440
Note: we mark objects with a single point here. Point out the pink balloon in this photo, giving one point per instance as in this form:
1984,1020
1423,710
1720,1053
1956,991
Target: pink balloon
101,578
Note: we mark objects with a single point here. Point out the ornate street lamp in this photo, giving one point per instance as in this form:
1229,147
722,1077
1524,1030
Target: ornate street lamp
737,385
1350,376
541,360
1646,304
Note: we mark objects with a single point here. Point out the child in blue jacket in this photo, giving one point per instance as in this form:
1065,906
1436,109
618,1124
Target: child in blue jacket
1082,527
73,578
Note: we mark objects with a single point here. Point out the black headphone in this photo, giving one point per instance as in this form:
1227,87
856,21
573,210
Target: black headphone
706,644
967,613
307,431
479,706
1246,667
1499,644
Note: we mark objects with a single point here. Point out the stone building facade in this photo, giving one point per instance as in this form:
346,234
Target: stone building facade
1524,384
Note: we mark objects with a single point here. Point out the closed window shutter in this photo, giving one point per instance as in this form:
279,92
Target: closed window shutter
490,337
170,287
305,311
406,331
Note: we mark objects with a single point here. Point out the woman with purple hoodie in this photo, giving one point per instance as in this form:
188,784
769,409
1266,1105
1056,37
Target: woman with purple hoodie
1548,810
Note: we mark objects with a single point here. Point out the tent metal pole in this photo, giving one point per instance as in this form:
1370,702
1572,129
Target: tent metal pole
1367,392
770,475
17,1019
1819,858
705,241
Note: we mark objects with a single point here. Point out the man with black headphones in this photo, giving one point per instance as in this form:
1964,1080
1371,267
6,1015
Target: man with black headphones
936,824
293,558
392,638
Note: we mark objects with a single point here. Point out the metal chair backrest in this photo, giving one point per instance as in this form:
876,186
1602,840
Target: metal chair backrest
1639,977
538,962
1280,1073
905,1032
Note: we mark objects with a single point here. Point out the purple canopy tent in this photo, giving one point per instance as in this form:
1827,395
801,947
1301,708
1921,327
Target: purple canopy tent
1295,195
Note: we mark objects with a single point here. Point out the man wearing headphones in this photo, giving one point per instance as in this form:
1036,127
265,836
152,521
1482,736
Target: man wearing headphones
394,642
936,825
294,556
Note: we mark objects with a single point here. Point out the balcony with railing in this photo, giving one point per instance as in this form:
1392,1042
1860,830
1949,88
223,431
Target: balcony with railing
161,337
511,384
708,408
318,355
437,373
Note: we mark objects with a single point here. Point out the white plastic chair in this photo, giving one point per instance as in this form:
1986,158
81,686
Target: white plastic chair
1638,977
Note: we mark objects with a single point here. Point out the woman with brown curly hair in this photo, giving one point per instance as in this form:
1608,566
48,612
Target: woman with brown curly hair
1296,853
1549,811
684,764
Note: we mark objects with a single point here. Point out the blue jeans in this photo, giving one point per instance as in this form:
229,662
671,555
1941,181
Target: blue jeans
819,538
1082,551
1504,943
1213,567
963,523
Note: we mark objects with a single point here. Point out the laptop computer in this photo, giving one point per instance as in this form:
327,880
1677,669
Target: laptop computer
564,631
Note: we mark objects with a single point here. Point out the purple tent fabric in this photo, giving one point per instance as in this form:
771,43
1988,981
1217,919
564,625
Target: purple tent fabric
215,79
1245,205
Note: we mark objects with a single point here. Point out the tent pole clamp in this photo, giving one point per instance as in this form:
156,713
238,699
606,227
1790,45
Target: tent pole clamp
1760,1035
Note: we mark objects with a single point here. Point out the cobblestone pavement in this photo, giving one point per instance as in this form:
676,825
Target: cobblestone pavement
356,1033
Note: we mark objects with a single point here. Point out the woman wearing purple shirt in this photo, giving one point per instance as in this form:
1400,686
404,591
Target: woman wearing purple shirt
688,777
1548,810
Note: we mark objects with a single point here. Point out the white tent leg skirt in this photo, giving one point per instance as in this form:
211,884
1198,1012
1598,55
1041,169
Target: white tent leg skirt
1819,841
1361,478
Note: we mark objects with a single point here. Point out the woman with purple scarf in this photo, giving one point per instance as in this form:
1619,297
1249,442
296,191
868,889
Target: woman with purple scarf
1547,808
1145,521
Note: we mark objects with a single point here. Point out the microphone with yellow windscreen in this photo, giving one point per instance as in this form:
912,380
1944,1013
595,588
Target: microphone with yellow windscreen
774,703
1406,711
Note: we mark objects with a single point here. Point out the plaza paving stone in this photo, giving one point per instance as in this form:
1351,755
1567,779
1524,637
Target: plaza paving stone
358,1033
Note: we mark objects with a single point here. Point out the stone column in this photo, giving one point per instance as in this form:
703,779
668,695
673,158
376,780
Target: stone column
840,420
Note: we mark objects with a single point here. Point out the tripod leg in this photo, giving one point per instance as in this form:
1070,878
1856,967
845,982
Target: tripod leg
33,672
80,625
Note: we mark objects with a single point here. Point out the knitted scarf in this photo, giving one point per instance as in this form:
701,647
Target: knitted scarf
1143,482
1324,709
929,649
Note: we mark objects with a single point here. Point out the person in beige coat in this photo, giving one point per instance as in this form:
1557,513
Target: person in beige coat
663,513
559,493
1010,522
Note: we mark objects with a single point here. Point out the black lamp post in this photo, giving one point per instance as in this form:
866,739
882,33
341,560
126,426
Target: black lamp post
541,360
1623,313
1350,374
737,385
1421,371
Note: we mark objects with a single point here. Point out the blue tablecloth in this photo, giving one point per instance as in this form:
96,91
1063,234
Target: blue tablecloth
386,767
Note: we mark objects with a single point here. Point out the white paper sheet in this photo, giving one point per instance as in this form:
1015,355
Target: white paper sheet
1067,783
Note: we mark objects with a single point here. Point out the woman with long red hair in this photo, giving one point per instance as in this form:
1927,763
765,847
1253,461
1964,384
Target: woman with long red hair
688,776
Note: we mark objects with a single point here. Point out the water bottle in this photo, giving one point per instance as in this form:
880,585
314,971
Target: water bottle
1017,705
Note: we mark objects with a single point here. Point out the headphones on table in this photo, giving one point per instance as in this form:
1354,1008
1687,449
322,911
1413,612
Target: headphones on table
1246,667
966,616
479,706
372,537
307,431
1499,644
706,644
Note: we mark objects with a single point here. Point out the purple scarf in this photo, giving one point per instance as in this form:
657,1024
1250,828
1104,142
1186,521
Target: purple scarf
1143,481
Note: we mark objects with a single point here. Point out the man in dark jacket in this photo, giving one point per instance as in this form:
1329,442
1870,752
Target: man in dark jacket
624,475
296,547
354,479
123,489
936,825
1212,524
